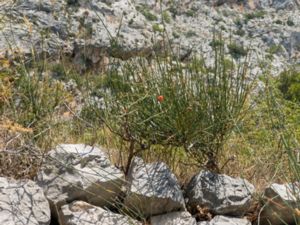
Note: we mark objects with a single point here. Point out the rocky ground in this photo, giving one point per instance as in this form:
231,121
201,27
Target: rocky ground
91,31
78,186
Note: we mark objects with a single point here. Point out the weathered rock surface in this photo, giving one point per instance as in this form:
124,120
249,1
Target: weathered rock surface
260,4
89,31
153,189
225,220
174,218
22,202
203,223
221,194
79,172
82,213
282,202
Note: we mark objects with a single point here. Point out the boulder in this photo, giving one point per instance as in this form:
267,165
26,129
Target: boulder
22,202
79,172
153,189
82,213
221,194
281,204
174,218
225,220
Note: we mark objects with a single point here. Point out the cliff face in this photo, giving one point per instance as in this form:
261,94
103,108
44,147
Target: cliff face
89,31
263,4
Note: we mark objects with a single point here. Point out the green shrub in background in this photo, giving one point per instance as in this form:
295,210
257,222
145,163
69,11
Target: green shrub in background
166,103
284,116
290,22
158,28
237,51
254,15
289,85
166,16
144,9
275,49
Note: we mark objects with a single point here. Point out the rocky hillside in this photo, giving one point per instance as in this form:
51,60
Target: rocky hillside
90,31
168,130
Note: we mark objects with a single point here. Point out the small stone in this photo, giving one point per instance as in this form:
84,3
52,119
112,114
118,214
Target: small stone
225,220
174,218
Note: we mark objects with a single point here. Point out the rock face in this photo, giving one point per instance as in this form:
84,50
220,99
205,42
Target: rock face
79,172
90,31
82,213
221,194
153,189
22,202
285,4
224,220
174,218
260,4
282,203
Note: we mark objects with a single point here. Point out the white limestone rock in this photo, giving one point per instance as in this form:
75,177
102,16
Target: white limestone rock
174,218
22,202
79,172
153,189
221,194
82,213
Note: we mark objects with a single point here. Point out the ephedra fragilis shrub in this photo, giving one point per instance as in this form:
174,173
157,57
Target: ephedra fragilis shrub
167,103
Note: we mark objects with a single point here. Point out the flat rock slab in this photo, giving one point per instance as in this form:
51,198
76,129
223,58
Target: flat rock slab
225,220
221,194
153,189
82,213
174,218
79,172
281,202
22,203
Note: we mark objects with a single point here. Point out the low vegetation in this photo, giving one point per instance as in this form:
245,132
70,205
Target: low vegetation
192,106
190,115
254,15
289,85
144,9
